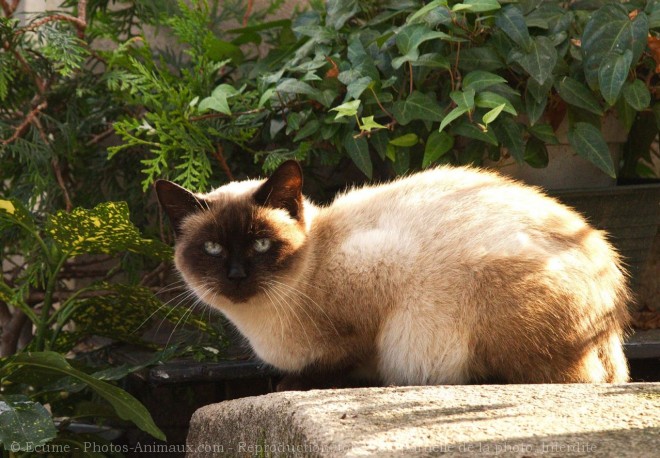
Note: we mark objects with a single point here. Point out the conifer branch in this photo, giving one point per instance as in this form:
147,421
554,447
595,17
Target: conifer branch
248,12
55,17
80,22
223,162
60,181
98,137
22,127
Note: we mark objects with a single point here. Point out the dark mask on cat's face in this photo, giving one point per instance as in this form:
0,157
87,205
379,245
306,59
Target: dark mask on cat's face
236,242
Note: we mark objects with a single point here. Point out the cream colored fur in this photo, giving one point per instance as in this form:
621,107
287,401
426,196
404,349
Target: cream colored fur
452,275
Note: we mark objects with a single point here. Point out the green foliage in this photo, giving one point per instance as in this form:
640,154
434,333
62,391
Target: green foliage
116,311
484,73
24,422
125,405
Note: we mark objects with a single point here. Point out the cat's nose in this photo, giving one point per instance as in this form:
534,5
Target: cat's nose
236,272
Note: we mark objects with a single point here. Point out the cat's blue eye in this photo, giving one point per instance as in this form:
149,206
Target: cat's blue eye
262,245
213,248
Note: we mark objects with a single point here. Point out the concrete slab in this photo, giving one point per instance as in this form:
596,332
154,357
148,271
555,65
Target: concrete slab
449,421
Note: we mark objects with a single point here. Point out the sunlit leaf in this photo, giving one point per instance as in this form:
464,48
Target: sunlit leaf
368,124
347,109
405,140
492,115
105,229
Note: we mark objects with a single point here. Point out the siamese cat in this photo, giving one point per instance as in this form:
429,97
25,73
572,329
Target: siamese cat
447,276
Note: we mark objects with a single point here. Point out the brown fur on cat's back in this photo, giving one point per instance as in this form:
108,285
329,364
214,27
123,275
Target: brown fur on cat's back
452,275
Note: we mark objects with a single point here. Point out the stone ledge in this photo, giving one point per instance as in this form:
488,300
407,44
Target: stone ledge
493,420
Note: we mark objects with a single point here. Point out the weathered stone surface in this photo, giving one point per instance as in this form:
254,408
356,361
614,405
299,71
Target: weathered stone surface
512,420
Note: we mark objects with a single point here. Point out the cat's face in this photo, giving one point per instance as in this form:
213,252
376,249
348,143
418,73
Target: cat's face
238,240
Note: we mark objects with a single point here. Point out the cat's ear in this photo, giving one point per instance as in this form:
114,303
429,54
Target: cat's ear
283,189
177,202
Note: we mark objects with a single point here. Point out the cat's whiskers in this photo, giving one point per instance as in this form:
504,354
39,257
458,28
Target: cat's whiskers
190,310
296,303
171,286
301,282
277,312
282,300
160,308
186,296
300,293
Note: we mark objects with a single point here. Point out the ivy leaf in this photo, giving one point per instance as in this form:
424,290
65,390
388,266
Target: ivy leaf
379,141
437,145
218,99
575,93
125,405
589,143
24,423
510,134
368,124
356,87
612,74
534,108
539,61
491,100
340,11
536,153
469,130
479,80
610,30
492,115
451,116
401,161
410,37
294,86
216,104
477,6
432,60
544,133
217,50
637,95
480,58
265,97
420,14
539,91
512,22
418,106
463,99
106,228
358,151
405,140
347,109
308,129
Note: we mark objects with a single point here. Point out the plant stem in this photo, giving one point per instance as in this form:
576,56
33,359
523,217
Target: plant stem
42,324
